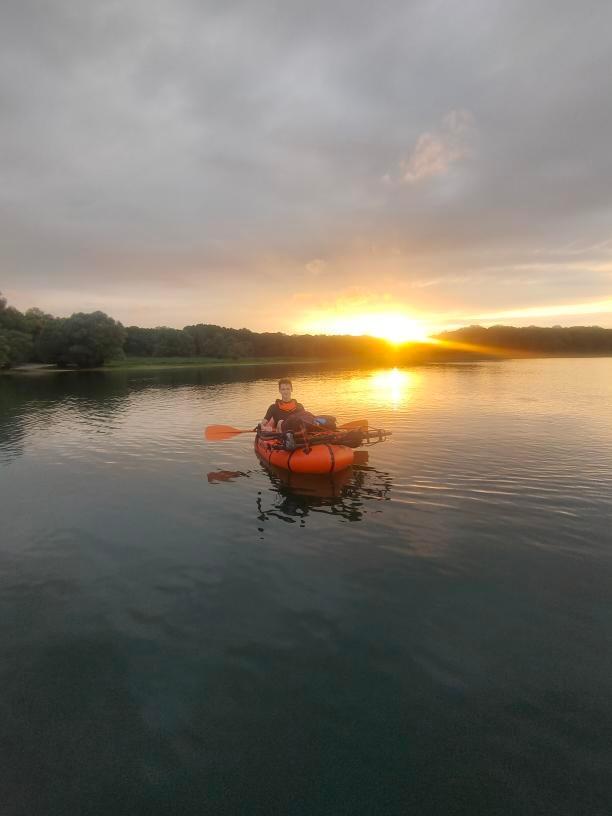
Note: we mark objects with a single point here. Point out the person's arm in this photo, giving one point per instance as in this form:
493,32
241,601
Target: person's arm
267,423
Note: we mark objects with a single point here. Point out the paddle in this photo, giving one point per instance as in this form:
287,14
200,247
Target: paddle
219,433
356,423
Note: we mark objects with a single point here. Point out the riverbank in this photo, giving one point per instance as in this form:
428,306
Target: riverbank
196,362
166,363
161,363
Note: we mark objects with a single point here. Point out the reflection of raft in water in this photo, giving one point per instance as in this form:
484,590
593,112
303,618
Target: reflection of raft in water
317,453
315,485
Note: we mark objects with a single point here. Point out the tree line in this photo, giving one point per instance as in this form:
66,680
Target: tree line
529,340
80,341
88,340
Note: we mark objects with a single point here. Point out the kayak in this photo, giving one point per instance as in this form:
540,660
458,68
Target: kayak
318,458
314,485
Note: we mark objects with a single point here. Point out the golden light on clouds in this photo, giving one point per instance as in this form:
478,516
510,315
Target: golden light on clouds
556,310
386,317
435,152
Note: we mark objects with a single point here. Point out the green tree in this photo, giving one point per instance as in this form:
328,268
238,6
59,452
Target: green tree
52,341
35,321
11,319
5,351
15,340
172,343
82,340
140,342
15,347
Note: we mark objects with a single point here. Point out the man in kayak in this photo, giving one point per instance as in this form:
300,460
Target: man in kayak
283,408
288,415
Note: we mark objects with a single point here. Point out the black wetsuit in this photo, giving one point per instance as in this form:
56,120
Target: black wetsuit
276,413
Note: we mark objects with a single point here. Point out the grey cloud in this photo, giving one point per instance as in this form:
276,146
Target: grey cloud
144,140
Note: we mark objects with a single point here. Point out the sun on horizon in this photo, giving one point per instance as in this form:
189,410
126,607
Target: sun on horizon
395,327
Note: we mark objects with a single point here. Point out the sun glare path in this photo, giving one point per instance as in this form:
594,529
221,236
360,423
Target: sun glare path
381,389
395,385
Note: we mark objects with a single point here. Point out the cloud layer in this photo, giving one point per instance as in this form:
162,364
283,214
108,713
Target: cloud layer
175,161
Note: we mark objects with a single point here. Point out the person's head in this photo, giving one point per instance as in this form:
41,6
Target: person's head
285,387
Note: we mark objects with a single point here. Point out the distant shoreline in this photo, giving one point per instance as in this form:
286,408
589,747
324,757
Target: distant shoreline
148,363
168,363
95,341
161,364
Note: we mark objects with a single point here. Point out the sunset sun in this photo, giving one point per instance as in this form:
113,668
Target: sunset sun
394,327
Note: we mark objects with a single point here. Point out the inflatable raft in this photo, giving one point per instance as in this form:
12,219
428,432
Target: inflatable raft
320,457
325,451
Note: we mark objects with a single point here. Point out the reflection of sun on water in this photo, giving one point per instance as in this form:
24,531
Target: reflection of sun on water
396,384
391,387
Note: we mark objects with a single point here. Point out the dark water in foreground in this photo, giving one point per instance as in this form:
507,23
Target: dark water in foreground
183,632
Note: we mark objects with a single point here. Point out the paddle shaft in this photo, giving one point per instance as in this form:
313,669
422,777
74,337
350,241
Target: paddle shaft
219,433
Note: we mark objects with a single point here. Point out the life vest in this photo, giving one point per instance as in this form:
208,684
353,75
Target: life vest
288,407
280,411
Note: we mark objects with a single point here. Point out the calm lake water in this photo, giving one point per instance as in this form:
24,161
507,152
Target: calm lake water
183,632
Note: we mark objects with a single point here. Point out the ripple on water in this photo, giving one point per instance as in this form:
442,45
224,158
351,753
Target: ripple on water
442,607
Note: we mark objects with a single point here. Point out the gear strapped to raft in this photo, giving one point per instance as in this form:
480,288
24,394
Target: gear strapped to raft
310,448
307,437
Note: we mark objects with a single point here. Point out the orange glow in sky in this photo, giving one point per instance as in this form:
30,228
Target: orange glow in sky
395,327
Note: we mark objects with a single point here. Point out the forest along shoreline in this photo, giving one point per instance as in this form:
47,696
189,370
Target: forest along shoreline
95,341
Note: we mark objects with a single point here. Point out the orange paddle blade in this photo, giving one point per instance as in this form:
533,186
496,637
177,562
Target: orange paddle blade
216,433
356,423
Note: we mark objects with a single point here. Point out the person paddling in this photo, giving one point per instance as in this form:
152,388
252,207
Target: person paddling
286,414
283,408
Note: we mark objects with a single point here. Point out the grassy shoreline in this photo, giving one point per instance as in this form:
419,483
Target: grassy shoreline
167,363
161,364
148,363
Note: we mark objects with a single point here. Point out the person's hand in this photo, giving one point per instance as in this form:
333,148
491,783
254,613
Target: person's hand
279,427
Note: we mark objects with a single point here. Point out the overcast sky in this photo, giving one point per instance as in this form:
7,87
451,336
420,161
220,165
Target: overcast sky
257,163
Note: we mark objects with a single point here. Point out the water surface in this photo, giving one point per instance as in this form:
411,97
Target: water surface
183,631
